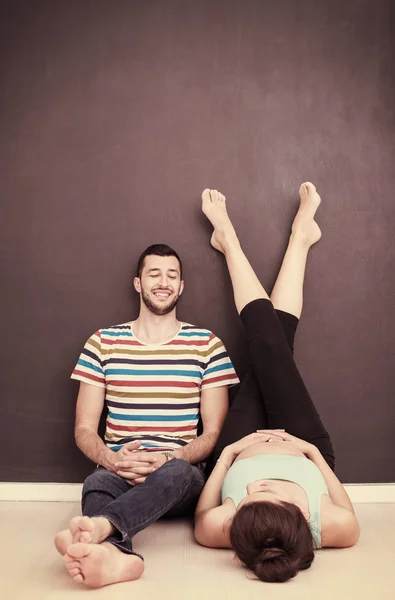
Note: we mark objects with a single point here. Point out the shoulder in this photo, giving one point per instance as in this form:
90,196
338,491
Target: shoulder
112,329
114,332
207,341
188,329
116,329
107,335
213,525
339,526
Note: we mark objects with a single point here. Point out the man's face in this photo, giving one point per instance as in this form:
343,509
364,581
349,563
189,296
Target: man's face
160,285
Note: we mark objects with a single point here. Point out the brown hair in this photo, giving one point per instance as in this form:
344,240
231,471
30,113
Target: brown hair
157,250
273,540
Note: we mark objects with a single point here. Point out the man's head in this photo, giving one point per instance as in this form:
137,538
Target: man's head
159,278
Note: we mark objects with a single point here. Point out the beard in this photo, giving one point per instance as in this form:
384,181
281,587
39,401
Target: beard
160,308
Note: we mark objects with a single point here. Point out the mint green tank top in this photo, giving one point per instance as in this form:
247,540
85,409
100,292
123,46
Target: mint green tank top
297,469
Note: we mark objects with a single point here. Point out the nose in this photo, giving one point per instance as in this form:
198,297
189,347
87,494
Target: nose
164,281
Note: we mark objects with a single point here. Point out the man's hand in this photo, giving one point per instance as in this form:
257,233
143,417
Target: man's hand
135,466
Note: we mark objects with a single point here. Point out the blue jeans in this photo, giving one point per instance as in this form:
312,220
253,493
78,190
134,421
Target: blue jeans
172,490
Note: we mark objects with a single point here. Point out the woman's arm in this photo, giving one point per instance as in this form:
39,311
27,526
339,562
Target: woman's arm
337,493
211,517
211,494
340,528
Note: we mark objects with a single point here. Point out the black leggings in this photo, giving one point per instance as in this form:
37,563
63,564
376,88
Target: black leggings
273,395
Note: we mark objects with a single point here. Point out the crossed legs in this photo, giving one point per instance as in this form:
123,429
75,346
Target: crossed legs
97,547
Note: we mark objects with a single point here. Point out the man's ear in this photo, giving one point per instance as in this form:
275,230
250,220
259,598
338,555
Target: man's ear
137,284
181,288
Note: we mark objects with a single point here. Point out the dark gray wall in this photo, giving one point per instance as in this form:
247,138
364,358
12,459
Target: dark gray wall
114,117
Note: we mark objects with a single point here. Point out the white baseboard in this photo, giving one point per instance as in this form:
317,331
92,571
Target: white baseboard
41,492
71,492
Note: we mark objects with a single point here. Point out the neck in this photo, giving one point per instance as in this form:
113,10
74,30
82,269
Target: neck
155,329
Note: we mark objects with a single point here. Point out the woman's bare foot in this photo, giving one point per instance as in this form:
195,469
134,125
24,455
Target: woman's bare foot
83,529
304,227
97,565
214,207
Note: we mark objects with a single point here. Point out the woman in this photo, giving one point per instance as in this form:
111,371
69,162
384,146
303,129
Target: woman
272,496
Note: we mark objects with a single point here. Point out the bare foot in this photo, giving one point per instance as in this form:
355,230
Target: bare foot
83,529
214,207
304,227
97,565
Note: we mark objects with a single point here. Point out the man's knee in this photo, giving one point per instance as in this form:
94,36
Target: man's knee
99,480
180,473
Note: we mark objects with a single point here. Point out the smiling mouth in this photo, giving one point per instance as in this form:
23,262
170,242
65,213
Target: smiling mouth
162,295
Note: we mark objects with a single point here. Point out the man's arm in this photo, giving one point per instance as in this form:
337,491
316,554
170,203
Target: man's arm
213,410
90,404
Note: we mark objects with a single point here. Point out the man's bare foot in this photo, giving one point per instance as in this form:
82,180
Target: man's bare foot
214,207
304,227
97,565
83,529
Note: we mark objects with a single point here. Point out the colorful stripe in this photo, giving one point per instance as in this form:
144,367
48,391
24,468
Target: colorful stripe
153,393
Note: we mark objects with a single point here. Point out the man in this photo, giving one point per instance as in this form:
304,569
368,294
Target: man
157,376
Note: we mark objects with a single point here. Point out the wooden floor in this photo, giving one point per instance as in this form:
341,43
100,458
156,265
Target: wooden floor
178,568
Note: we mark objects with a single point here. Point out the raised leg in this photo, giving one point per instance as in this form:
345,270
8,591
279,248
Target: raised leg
287,293
285,399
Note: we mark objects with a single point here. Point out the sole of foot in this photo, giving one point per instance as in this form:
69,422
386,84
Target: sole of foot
98,565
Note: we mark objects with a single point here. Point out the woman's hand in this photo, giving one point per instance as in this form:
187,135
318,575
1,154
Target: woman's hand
305,447
236,448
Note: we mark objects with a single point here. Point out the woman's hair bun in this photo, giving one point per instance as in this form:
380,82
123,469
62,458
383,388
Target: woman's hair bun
270,554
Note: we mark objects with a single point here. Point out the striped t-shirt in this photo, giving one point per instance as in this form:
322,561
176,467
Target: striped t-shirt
153,391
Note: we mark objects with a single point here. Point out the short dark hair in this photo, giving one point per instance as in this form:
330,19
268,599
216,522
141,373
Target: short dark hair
157,250
273,540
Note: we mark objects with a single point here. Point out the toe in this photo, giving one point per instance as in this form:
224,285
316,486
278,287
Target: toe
206,195
74,572
85,536
72,564
79,578
79,550
86,524
307,187
74,524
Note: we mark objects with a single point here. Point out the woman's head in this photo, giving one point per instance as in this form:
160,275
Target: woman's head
272,539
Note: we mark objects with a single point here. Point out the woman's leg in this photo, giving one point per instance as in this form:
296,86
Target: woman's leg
247,409
285,399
